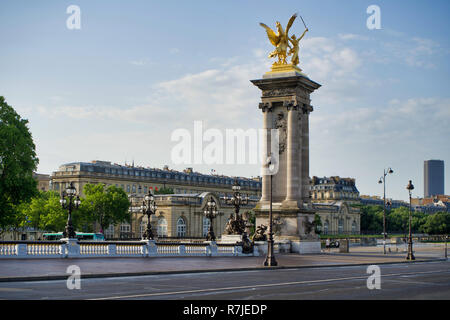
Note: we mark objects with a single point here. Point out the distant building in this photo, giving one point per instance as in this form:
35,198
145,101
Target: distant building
178,215
378,201
433,178
43,181
332,199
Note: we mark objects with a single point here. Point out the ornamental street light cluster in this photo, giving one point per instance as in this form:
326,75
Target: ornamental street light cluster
410,256
383,181
237,225
148,208
71,204
210,213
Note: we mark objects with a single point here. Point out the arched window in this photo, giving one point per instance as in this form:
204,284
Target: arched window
341,226
125,231
181,227
162,227
206,224
325,227
143,227
354,227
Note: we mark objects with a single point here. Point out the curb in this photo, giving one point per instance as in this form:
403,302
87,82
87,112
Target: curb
151,273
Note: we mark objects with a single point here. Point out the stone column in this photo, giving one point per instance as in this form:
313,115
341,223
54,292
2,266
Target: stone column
305,156
266,108
292,149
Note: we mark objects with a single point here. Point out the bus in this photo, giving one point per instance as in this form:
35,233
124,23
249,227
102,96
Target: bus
79,235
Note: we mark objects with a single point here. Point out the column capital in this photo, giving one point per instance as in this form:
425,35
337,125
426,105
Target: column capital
306,108
265,106
290,105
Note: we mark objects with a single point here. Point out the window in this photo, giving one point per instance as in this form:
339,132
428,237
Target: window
128,188
125,230
181,227
354,227
109,232
325,227
142,227
206,224
162,227
341,226
134,188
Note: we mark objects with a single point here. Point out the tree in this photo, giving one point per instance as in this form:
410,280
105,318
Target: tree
397,220
438,223
18,160
43,212
317,224
103,205
371,218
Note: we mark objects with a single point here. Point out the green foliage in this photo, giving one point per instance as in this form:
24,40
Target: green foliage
397,220
43,212
438,223
164,191
17,162
103,205
371,219
318,224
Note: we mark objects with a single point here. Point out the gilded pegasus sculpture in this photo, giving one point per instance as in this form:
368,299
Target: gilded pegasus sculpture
280,41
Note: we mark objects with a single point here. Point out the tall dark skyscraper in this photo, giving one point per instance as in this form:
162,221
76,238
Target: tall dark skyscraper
433,178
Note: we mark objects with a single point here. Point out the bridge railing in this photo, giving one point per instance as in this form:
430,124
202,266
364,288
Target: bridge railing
72,248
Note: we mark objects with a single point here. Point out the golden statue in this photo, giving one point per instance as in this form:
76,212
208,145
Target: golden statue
295,47
281,42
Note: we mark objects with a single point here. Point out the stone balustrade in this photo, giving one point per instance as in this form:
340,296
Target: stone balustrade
72,248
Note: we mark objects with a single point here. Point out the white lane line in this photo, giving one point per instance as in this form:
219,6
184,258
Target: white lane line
261,285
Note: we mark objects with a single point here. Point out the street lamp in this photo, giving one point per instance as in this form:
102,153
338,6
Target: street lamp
210,213
410,255
270,259
148,208
238,225
72,204
383,181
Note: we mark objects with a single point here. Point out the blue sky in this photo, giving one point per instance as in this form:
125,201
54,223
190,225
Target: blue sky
137,70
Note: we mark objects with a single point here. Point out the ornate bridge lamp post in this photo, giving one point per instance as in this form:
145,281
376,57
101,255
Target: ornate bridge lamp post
270,259
148,208
72,204
238,225
210,213
410,255
383,181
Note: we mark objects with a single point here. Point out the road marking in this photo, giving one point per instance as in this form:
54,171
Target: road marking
260,285
14,289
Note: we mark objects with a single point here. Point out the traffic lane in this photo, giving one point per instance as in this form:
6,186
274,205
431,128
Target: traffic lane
222,285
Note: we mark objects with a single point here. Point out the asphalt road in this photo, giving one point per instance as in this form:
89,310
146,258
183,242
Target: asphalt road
424,280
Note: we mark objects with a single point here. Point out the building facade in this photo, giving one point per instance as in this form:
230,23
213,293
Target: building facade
332,199
181,214
190,189
433,178
138,180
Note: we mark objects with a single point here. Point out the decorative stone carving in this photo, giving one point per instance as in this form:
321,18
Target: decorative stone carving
309,226
281,124
278,92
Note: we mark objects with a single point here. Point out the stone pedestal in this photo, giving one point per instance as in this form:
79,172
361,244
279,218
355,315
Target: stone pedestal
231,238
286,106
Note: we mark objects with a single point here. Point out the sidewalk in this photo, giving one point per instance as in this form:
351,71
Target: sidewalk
54,269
